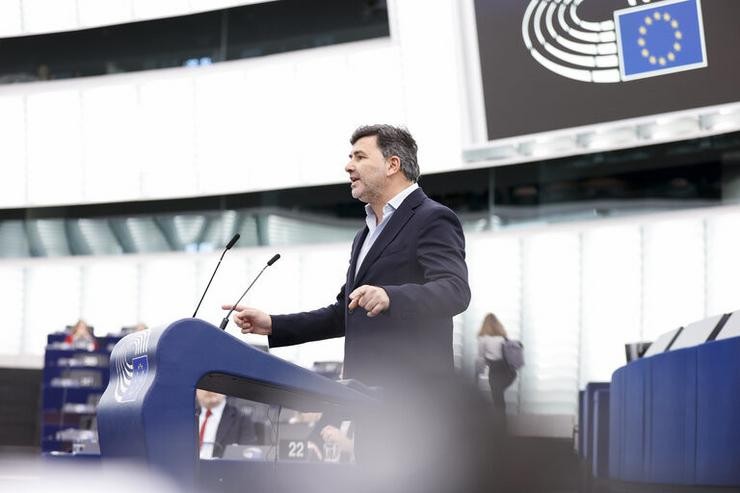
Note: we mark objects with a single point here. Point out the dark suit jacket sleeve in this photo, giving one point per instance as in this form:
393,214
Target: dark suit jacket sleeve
247,431
441,255
315,325
235,427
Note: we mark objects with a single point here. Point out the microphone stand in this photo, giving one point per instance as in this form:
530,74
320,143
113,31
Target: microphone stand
225,321
228,247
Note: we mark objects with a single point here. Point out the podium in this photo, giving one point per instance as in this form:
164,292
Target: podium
147,412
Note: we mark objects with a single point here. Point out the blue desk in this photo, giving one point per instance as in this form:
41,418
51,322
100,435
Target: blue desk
675,417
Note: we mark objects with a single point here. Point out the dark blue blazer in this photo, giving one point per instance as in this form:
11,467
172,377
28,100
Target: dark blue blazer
419,259
234,427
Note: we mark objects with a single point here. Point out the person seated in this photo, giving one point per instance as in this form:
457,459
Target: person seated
330,439
220,424
308,422
80,336
130,329
139,327
339,446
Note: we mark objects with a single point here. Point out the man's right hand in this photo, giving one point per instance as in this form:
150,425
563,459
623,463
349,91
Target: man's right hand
251,320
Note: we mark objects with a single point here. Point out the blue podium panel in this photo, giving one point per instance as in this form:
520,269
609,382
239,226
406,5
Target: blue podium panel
718,413
636,427
600,445
616,423
673,418
587,426
312,478
228,476
581,420
147,412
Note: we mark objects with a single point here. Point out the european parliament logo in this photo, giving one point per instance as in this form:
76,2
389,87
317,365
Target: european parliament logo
132,381
132,369
646,40
660,39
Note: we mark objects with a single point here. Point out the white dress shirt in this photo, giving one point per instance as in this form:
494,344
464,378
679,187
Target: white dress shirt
209,434
490,348
374,229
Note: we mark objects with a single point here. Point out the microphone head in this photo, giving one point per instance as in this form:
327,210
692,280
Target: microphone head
233,241
273,259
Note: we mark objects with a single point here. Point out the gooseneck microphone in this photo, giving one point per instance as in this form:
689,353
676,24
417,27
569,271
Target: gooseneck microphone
230,244
225,321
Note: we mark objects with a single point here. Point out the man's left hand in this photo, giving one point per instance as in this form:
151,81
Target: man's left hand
372,298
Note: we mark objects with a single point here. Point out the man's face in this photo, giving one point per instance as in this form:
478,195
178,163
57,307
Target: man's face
367,170
208,399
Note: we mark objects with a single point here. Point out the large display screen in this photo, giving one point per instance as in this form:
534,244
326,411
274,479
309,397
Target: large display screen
554,64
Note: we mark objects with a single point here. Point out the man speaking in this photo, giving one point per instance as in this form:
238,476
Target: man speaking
407,276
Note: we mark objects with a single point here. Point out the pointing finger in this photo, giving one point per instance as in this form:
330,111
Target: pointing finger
355,296
237,308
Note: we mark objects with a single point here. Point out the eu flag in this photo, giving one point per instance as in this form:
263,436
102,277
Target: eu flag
660,38
141,367
138,378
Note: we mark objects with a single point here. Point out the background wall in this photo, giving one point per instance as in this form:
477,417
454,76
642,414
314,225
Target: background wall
274,122
23,17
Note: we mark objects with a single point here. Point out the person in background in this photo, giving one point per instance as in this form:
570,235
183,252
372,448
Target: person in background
130,329
491,338
221,424
81,336
340,438
140,326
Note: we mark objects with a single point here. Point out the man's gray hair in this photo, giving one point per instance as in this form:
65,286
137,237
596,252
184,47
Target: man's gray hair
393,141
